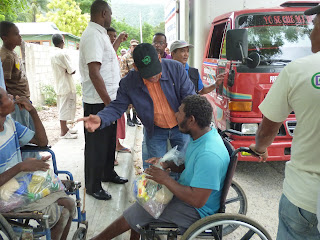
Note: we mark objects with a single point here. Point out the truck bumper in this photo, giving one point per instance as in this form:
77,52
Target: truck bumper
278,151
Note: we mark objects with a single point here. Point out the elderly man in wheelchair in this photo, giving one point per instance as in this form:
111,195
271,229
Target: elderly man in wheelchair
13,135
197,192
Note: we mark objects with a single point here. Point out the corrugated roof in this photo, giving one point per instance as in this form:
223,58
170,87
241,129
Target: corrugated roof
40,28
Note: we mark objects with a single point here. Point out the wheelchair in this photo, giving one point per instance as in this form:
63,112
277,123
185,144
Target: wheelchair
229,223
34,225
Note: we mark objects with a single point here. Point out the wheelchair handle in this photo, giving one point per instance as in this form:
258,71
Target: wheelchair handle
34,147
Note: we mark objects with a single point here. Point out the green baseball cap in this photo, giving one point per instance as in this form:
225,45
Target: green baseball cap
146,60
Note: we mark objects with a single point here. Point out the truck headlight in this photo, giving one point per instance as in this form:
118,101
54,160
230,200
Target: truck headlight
249,128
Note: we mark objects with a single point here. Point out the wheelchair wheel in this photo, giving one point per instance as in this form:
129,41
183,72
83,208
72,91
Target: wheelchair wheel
6,231
80,234
246,228
236,203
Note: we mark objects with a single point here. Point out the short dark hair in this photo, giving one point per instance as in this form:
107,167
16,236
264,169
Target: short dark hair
98,6
5,27
111,29
57,39
200,108
160,34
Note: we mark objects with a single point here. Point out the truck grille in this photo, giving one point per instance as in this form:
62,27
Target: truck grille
291,125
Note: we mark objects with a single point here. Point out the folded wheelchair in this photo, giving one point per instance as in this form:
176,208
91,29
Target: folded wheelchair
34,225
229,223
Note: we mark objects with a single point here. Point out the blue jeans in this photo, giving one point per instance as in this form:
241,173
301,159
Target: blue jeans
296,223
156,145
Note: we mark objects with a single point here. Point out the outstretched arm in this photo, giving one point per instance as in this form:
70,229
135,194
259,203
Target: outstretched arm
121,38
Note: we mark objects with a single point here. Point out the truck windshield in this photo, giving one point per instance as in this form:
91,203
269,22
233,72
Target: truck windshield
278,38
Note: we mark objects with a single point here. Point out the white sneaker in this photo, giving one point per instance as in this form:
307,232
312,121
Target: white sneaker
68,135
73,131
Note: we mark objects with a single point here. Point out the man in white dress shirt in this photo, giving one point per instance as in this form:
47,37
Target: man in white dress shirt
100,77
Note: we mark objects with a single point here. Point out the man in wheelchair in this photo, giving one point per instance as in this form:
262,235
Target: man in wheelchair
197,192
13,135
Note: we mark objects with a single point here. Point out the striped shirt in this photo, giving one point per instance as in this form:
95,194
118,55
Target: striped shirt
12,137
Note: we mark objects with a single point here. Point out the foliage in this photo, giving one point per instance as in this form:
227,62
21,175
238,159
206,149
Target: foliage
79,89
66,14
9,9
50,96
159,28
33,8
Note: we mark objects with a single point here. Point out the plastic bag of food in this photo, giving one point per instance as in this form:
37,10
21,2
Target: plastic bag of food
28,187
152,196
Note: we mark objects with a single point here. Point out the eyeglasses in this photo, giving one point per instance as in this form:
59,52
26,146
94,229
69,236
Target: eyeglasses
158,43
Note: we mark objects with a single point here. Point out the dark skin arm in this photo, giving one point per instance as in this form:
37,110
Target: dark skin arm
40,137
121,38
265,135
97,81
168,165
196,197
28,165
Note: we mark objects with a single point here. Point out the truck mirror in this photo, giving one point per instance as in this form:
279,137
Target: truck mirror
237,44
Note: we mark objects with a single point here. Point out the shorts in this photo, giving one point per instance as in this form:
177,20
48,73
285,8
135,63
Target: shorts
177,212
48,206
66,106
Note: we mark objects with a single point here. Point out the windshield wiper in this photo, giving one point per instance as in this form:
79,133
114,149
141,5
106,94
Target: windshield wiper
276,61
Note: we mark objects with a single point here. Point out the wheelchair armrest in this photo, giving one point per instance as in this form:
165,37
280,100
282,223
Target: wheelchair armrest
31,146
155,225
23,215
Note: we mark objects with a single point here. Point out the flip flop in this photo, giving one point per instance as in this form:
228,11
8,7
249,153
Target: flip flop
124,150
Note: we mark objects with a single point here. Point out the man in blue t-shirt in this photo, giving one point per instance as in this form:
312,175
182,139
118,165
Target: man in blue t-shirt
58,205
197,193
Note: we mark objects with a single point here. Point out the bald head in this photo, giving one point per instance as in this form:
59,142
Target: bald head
97,7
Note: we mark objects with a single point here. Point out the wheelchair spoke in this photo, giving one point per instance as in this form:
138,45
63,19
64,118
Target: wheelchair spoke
232,200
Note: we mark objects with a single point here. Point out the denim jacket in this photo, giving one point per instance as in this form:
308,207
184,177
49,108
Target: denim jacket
174,82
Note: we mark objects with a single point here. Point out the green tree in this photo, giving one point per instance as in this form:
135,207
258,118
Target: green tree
159,28
66,14
147,33
34,8
9,9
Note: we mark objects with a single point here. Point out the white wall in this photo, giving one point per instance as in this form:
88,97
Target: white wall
39,71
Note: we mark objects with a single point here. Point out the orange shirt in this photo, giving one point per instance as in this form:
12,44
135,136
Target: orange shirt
164,116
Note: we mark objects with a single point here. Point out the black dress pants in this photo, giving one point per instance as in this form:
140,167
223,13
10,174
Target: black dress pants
99,152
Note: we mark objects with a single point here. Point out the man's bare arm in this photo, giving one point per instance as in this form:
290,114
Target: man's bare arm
28,165
265,135
196,197
97,81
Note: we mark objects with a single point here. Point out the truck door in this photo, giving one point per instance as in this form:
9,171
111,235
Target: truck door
214,63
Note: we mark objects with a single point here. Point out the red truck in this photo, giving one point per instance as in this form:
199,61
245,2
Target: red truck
251,47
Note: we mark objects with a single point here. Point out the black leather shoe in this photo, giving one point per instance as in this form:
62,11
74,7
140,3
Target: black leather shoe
101,195
119,180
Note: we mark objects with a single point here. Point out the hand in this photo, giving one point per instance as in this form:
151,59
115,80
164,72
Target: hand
158,175
153,160
123,36
25,103
33,164
219,79
91,123
262,157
